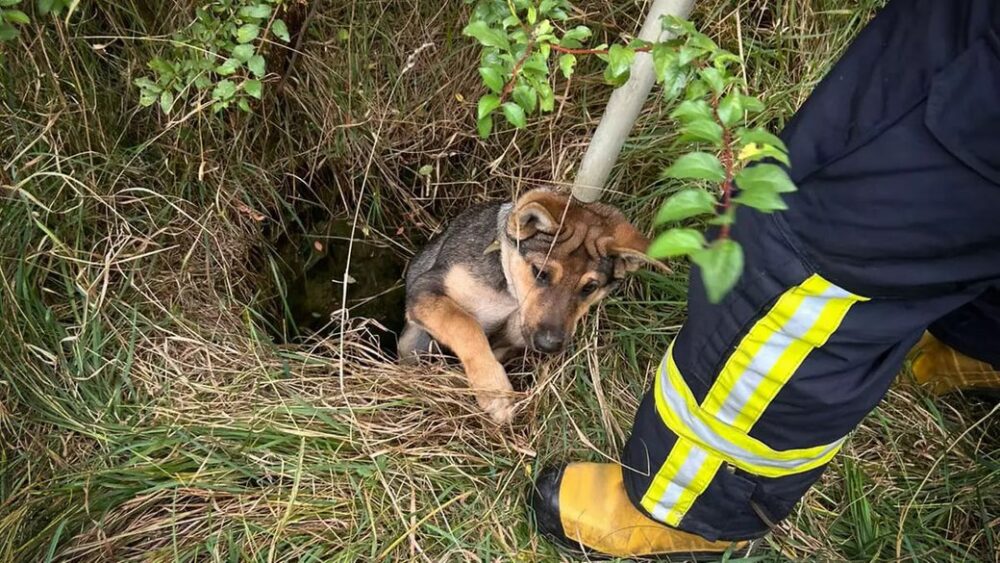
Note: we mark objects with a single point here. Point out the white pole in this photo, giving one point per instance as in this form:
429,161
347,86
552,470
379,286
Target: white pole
624,106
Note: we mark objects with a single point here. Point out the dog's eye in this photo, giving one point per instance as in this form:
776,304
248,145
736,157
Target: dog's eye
591,287
541,276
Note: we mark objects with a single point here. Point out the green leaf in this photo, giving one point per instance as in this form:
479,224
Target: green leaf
224,90
536,65
754,152
253,88
280,30
676,242
619,61
247,32
242,52
686,54
481,31
44,6
762,137
148,98
705,130
721,266
492,78
144,83
765,177
16,16
257,65
161,67
702,41
514,114
665,61
677,26
760,187
566,64
684,204
730,109
526,97
166,101
228,67
669,72
243,104
721,59
546,97
675,85
761,200
574,38
487,104
426,170
484,126
259,11
9,3
697,165
696,90
692,110
727,217
714,79
751,104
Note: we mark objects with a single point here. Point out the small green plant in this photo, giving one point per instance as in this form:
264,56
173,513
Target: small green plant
521,37
10,16
220,53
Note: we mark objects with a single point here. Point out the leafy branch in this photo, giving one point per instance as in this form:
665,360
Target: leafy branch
730,163
221,52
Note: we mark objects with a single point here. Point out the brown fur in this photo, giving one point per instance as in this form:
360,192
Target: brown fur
558,258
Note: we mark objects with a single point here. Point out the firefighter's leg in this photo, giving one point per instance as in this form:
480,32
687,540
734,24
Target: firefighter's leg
753,399
893,228
961,351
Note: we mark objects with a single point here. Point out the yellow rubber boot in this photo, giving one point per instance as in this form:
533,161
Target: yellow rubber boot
942,369
584,507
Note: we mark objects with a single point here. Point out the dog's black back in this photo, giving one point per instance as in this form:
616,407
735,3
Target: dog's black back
467,241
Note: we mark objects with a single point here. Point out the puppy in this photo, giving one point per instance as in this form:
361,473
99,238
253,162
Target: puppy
505,277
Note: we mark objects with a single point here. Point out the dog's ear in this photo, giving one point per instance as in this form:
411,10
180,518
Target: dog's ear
628,248
535,212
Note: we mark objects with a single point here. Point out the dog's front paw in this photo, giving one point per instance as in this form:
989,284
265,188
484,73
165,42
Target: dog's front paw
493,391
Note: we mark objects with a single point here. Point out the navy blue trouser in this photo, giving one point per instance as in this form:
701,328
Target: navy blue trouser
895,228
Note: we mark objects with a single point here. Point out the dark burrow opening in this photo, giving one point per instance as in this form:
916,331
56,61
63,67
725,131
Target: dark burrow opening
309,266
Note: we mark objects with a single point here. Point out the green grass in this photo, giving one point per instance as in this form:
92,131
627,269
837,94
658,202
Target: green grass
145,412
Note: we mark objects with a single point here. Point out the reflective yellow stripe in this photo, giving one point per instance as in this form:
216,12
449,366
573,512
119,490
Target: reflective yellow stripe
704,476
684,475
666,475
755,339
802,319
744,452
829,320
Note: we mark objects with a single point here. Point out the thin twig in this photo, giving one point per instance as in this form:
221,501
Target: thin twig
644,49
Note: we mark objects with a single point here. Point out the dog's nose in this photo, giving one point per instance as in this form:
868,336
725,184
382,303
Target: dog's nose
548,340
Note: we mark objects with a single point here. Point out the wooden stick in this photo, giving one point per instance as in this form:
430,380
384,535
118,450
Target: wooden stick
624,106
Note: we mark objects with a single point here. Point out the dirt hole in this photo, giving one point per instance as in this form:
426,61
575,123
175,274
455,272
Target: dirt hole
311,266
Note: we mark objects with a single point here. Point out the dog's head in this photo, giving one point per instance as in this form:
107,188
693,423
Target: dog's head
564,257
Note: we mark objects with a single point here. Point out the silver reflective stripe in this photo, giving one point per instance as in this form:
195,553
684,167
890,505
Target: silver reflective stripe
683,480
792,330
674,398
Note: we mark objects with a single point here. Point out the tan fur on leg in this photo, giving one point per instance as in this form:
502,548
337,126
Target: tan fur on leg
455,328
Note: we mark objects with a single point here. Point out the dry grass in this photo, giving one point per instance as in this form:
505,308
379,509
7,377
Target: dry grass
147,414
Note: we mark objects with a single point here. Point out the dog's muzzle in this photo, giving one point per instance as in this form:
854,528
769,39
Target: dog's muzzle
548,340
